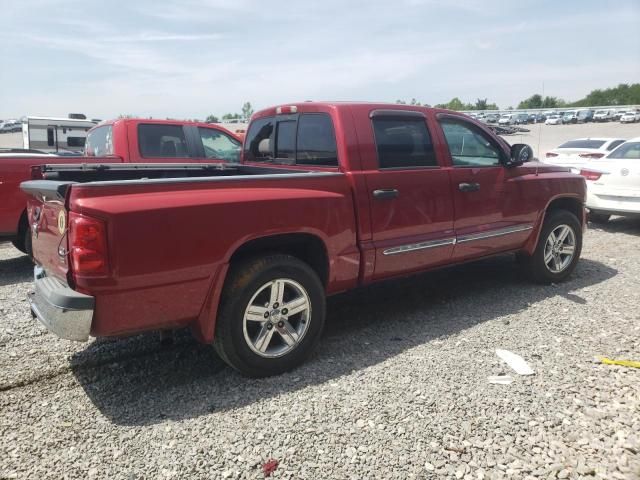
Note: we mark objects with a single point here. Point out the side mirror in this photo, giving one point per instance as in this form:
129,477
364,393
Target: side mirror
520,153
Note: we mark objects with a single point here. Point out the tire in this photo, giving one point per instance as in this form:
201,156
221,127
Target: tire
595,217
535,266
248,284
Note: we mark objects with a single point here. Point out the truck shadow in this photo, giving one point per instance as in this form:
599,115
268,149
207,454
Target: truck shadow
16,270
136,382
628,225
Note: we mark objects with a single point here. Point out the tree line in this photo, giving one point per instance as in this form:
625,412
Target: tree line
623,94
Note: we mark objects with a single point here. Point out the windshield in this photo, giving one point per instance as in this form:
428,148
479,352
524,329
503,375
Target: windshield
583,144
569,114
628,150
600,112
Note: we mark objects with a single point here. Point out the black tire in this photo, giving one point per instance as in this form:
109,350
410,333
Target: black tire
595,217
534,265
245,280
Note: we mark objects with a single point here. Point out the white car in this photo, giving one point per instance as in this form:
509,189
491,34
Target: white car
553,120
507,119
578,152
613,183
630,117
603,115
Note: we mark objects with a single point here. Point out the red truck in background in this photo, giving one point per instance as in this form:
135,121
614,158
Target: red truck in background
124,140
327,197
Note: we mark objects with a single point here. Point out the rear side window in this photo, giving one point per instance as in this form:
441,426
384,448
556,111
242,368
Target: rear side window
630,150
582,144
218,145
75,141
403,142
162,141
258,142
615,144
99,142
316,141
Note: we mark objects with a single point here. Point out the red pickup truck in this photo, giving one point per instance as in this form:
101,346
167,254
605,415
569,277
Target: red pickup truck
124,140
327,197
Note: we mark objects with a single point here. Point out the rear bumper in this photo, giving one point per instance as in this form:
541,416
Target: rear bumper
62,310
613,205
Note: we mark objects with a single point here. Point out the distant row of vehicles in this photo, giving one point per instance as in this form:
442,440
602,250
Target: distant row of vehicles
559,118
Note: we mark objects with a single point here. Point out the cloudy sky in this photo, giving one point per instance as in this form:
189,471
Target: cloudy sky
190,58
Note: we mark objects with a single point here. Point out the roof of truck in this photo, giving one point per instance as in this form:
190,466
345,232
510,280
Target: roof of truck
311,105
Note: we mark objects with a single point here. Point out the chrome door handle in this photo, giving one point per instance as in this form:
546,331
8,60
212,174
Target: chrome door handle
468,187
386,193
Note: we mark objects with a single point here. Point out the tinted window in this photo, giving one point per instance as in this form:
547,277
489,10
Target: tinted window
75,141
403,143
165,141
629,150
615,144
469,147
218,145
99,142
316,141
582,144
286,140
258,142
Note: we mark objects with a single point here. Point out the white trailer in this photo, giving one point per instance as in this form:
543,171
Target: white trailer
55,135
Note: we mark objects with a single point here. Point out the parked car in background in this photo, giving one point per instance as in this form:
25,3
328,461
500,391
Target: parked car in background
521,118
507,119
230,255
630,117
617,114
125,140
578,152
570,117
613,183
603,116
585,116
492,118
553,120
540,117
532,118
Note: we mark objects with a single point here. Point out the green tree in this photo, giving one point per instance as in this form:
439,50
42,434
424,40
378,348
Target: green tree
534,101
247,111
481,104
211,119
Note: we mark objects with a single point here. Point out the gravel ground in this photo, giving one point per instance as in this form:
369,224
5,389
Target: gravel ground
398,388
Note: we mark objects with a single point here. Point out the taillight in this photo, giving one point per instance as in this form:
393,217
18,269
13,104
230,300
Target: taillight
87,246
550,154
590,175
287,109
591,155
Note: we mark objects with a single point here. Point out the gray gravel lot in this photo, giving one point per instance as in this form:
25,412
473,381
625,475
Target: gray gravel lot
398,388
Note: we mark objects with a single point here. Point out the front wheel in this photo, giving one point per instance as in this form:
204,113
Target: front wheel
271,316
558,248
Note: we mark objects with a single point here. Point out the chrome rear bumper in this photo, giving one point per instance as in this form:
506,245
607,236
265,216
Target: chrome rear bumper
62,310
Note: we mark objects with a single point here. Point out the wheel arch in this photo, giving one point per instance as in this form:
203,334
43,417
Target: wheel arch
572,204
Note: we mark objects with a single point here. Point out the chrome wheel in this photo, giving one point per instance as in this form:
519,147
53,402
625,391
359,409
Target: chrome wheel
277,318
559,248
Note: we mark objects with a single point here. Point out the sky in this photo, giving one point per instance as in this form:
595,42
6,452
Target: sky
192,58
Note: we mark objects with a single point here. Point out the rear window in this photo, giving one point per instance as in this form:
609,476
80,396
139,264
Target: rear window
257,144
629,150
305,139
583,144
162,141
99,142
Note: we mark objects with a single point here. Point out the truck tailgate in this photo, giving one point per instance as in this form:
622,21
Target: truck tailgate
48,221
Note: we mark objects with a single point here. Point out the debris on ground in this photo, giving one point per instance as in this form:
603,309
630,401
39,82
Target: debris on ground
622,363
500,379
269,467
516,362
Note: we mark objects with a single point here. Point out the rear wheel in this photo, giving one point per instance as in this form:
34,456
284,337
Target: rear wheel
271,316
558,248
596,217
23,240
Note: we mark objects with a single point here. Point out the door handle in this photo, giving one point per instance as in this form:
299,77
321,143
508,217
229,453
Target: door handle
468,187
386,193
